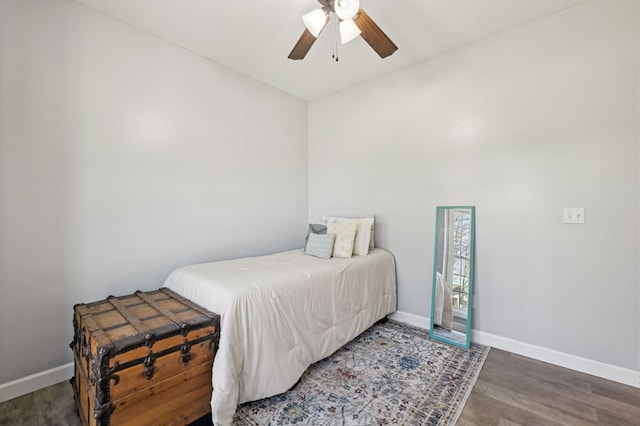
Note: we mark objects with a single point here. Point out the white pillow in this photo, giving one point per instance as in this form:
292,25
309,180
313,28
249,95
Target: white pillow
345,233
364,233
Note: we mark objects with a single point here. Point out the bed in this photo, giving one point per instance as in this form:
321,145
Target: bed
281,313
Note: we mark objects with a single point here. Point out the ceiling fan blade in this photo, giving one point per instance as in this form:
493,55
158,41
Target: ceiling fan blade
374,36
303,45
325,3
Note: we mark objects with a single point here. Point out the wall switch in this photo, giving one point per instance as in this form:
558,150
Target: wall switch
573,215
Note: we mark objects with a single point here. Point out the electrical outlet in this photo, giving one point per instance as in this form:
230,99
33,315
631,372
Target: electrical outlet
573,215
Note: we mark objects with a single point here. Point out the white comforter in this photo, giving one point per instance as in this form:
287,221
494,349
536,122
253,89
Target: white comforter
281,313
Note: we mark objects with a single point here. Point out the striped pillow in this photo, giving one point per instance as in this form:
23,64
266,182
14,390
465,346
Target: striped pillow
320,245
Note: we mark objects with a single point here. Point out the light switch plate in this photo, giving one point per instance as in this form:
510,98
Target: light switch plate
573,215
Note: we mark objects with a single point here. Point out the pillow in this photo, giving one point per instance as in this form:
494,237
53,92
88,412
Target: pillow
364,233
345,233
320,245
315,228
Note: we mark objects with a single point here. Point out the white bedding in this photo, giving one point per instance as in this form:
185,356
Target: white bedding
281,313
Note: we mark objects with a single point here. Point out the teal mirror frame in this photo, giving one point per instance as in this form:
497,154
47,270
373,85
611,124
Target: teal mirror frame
442,334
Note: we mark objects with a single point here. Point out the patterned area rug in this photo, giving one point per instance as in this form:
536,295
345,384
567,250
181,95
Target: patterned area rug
391,374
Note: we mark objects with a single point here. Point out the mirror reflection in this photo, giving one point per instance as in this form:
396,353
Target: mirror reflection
453,275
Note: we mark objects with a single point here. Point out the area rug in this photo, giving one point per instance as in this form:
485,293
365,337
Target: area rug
391,374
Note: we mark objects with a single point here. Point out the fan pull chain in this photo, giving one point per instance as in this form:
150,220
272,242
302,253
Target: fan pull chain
336,37
334,54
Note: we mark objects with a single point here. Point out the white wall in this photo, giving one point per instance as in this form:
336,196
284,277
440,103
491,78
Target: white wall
121,158
521,124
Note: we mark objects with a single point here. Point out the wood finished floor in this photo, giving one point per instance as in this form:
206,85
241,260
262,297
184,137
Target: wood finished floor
511,390
514,390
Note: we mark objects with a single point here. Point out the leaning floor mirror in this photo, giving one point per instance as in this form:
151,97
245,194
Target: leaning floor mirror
452,292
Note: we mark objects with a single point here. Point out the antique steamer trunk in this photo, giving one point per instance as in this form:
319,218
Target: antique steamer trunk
143,359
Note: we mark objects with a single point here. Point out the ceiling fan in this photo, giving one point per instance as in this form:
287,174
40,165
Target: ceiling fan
353,22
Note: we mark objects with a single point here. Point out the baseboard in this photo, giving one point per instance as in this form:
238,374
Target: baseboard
34,382
417,320
55,375
562,359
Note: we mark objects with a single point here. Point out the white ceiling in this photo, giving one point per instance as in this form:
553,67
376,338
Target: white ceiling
255,37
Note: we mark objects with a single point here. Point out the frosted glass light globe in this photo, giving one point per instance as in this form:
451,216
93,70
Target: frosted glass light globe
346,9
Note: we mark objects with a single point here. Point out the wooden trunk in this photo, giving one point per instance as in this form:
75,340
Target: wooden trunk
143,359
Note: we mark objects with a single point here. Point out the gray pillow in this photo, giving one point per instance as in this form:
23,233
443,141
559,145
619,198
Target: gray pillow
315,228
320,245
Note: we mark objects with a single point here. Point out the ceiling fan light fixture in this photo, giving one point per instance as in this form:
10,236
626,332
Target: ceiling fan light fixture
315,21
350,22
348,31
346,9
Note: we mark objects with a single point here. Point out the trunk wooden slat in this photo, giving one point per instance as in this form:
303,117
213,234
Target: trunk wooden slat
143,359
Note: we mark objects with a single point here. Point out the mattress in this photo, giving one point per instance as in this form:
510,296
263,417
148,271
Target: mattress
281,313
